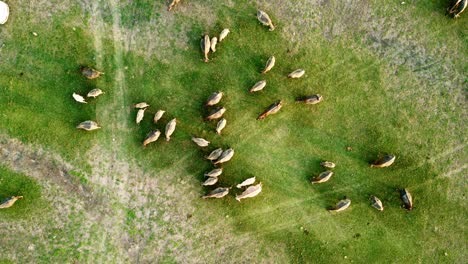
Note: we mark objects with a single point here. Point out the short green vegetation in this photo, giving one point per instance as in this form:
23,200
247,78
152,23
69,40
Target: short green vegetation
13,184
393,82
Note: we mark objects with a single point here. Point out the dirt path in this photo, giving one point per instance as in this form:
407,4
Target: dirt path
39,164
65,196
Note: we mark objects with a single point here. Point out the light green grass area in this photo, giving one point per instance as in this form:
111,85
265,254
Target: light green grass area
393,84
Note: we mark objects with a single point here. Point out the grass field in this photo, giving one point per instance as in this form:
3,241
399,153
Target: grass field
393,80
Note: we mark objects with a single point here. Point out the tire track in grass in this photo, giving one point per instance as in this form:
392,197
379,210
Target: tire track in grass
122,181
444,154
98,29
297,202
291,224
115,177
290,205
167,197
310,223
125,188
97,25
453,172
448,174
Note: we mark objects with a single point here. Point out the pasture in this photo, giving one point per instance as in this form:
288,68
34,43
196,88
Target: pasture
393,79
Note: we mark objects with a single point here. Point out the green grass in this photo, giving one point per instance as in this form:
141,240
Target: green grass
370,104
13,184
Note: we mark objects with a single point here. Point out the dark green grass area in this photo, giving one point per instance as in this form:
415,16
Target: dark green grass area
370,105
13,184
